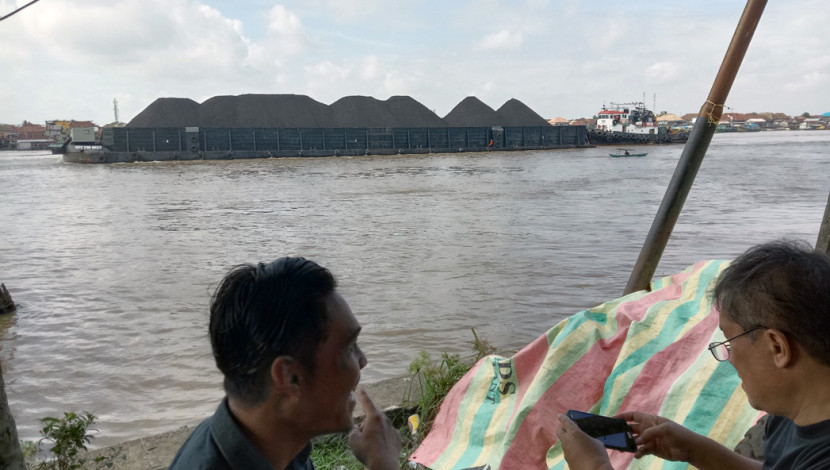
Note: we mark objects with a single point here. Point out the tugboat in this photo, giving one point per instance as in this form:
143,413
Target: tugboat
631,123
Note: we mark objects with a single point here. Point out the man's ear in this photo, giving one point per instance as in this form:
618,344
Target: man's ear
286,375
783,350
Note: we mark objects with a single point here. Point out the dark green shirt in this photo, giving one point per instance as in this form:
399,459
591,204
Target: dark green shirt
218,443
791,447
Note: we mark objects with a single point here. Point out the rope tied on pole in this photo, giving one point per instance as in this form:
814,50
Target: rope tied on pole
712,115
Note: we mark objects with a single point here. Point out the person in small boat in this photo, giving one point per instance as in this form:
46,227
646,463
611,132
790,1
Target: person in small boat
774,307
286,343
626,152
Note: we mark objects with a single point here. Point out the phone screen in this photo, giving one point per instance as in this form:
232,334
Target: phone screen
614,433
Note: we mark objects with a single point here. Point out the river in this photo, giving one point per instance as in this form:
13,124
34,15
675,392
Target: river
112,266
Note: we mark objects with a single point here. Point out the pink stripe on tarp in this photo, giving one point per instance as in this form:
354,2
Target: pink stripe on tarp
440,436
635,310
577,388
659,373
526,364
649,390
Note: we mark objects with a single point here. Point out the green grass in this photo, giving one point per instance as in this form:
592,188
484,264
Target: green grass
333,452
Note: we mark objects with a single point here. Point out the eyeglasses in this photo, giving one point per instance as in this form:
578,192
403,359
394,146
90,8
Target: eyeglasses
723,349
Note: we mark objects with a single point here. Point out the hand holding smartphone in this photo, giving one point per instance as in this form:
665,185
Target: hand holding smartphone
614,433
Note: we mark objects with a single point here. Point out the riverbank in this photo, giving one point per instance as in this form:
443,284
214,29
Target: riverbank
156,452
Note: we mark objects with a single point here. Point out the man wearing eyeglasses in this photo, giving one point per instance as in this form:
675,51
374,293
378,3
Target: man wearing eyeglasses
774,304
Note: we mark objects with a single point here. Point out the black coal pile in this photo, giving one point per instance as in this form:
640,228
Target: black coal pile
472,112
360,111
263,111
168,112
515,113
285,111
397,111
411,113
218,111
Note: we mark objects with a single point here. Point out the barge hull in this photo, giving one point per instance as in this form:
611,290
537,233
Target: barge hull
601,137
125,145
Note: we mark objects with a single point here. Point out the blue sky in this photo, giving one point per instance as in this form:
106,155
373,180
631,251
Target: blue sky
68,59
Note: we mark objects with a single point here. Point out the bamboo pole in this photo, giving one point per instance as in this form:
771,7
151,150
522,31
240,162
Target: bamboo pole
684,175
823,242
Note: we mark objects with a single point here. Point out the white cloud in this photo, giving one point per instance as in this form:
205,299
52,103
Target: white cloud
117,31
398,83
286,34
501,40
148,37
610,35
370,68
328,70
351,10
327,80
811,81
663,72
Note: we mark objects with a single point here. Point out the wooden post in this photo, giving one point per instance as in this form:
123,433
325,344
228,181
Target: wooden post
823,242
6,303
11,456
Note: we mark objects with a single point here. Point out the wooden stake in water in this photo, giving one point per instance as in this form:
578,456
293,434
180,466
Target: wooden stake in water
6,303
823,242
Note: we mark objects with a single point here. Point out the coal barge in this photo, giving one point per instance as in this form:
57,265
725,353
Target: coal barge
272,126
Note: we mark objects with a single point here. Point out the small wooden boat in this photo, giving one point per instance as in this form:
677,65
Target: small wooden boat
627,153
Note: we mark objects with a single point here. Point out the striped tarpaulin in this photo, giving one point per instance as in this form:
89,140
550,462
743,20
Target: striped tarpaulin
646,352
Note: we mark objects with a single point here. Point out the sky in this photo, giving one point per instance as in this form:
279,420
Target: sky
70,59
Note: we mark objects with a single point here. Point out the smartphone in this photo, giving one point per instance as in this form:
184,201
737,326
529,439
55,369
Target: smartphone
614,433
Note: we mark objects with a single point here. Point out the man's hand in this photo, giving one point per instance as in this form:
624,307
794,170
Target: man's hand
661,437
581,450
671,441
375,441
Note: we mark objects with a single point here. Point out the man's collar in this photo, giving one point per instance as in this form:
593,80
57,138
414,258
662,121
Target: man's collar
240,452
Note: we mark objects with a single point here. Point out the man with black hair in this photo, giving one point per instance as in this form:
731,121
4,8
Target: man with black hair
286,342
774,307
